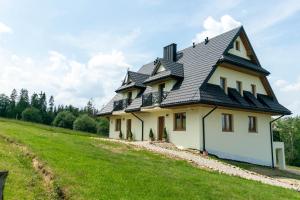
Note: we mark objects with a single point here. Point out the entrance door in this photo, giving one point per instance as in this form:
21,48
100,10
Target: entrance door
128,127
161,126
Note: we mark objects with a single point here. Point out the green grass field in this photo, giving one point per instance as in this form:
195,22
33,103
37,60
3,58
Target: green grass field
88,168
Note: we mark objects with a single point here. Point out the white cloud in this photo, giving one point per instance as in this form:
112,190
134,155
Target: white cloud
4,28
70,81
286,86
213,27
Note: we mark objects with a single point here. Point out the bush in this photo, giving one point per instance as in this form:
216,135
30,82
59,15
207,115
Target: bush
85,123
64,119
32,115
151,135
121,135
165,135
130,135
103,126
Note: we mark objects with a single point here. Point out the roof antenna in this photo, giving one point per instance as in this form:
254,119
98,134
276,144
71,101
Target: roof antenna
194,44
206,40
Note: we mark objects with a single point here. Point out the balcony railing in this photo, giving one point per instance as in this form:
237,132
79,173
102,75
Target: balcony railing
153,98
121,104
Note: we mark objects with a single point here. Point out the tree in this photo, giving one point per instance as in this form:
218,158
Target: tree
51,104
35,102
85,123
64,119
103,126
12,105
32,115
289,133
151,135
4,105
23,102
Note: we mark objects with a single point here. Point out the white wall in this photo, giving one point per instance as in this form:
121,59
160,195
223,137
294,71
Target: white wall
237,145
242,53
240,144
232,76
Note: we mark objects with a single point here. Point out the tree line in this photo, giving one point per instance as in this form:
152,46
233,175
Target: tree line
287,130
37,108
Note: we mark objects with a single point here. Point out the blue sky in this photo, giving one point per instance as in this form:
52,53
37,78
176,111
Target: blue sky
77,50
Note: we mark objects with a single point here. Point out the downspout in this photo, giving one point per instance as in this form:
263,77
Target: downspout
203,127
142,125
271,138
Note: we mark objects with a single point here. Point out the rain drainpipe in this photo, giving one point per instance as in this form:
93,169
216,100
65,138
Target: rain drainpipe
271,138
142,125
203,127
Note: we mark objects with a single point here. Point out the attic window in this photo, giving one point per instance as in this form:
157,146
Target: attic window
237,46
223,84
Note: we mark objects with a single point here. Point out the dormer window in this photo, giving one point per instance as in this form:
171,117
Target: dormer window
129,96
253,89
237,46
223,84
239,87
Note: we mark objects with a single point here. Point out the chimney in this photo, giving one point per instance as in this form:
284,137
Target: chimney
170,52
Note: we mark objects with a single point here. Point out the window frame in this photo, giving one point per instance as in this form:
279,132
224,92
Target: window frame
230,128
253,89
237,45
239,87
225,84
254,129
182,125
118,124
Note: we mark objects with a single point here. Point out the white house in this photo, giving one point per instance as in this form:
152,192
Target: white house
213,96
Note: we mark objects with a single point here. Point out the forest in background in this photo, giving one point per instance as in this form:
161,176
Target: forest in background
37,108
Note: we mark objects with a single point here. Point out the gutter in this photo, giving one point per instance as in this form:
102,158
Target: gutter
142,125
271,138
203,126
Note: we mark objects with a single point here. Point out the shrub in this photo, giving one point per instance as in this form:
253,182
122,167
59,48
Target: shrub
151,135
32,115
103,126
130,135
165,134
121,135
85,123
64,119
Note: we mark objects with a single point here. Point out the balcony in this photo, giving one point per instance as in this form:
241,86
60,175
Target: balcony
153,98
121,104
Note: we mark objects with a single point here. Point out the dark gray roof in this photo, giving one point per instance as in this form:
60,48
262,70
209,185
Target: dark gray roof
215,95
198,63
241,62
137,81
173,69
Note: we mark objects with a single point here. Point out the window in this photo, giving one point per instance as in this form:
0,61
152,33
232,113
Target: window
223,83
239,87
252,124
253,89
179,121
237,46
129,97
118,125
227,123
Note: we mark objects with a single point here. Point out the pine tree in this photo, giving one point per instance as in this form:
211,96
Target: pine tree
51,104
12,106
23,102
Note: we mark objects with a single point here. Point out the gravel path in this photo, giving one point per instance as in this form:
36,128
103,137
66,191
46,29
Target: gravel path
212,164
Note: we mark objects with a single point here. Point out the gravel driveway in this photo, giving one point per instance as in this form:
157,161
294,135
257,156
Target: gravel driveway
212,164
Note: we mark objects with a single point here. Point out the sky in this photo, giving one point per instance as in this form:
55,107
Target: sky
78,50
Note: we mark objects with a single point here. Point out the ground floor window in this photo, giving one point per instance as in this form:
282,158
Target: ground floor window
227,123
180,121
252,124
118,125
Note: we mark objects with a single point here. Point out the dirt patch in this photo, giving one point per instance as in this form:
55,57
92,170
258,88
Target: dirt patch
45,172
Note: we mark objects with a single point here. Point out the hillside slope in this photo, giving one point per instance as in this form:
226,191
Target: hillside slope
84,168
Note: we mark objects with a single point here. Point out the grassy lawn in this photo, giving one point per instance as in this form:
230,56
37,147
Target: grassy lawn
88,168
